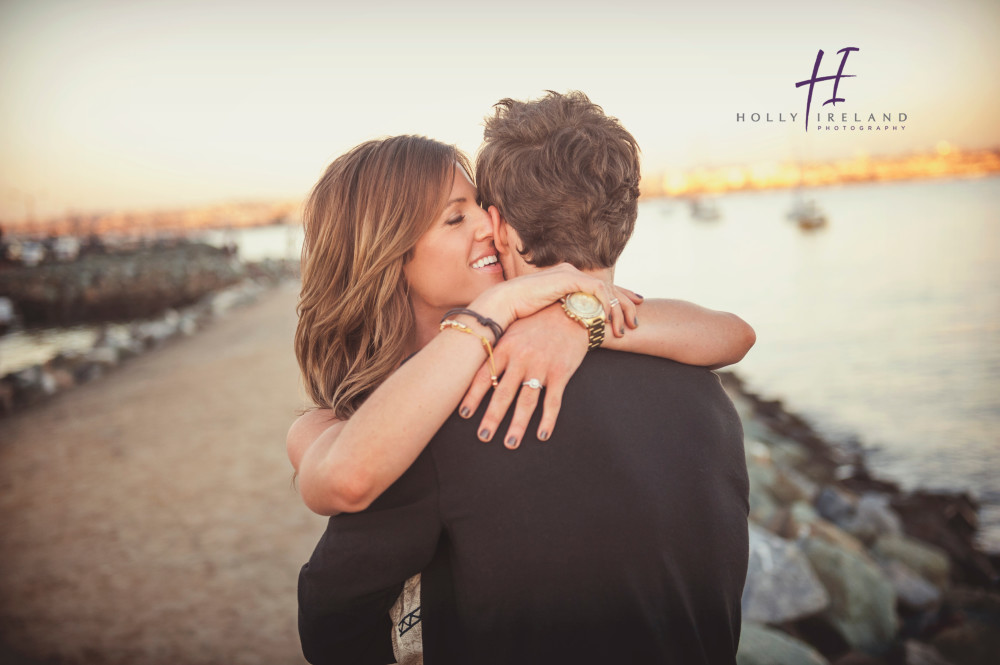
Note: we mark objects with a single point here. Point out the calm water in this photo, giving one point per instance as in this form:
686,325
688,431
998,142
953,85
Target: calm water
882,328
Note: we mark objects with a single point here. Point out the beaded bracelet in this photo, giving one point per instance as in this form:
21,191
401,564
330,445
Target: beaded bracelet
483,320
458,325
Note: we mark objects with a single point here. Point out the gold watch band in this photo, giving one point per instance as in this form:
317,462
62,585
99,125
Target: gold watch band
595,334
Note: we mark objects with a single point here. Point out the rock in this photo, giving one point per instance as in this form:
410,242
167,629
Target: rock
102,355
788,454
834,535
857,658
949,521
804,513
119,285
764,646
918,653
85,372
7,393
926,560
780,586
763,508
862,601
835,504
912,591
188,324
973,643
790,486
873,518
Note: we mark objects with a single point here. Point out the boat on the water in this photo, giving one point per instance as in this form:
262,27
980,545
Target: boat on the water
704,210
807,215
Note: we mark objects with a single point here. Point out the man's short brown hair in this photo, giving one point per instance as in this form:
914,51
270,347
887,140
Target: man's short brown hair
564,176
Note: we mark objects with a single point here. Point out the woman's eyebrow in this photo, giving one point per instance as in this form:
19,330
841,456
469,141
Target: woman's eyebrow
460,199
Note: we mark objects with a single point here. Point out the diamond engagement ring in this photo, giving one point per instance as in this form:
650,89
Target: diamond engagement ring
614,302
533,383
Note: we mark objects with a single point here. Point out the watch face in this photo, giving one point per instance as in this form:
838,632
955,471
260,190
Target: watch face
584,304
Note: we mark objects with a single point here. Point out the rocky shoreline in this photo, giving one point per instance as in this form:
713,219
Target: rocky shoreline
180,293
848,569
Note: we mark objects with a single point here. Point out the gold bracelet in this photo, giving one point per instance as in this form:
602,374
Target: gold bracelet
458,325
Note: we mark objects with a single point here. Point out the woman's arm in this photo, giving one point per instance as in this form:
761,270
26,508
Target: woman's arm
549,346
687,333
345,465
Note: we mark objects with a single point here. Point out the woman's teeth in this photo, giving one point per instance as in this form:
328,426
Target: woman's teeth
485,261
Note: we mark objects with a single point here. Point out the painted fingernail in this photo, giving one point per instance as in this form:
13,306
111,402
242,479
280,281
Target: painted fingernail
639,297
635,321
511,442
464,412
543,436
621,330
484,434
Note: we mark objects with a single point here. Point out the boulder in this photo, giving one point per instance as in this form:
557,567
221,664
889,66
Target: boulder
788,454
873,518
834,535
913,591
790,486
926,560
862,600
972,643
918,653
836,505
780,586
765,646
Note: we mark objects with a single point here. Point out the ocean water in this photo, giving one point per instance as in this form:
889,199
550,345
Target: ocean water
883,328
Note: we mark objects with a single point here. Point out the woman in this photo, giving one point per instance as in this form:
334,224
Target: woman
395,238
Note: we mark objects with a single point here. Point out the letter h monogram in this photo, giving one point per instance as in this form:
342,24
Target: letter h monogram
836,80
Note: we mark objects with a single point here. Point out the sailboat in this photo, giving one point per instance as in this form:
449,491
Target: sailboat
807,214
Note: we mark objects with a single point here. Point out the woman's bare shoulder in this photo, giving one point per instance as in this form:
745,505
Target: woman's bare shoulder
305,430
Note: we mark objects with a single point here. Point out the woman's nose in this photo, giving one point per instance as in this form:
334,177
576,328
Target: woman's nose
484,226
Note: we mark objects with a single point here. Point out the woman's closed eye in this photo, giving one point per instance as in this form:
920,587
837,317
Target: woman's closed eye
458,219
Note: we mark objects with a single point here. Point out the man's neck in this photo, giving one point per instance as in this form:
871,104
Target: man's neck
606,275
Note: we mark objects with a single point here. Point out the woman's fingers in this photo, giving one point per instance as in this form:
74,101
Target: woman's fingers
527,400
481,383
550,408
628,307
613,309
503,395
632,295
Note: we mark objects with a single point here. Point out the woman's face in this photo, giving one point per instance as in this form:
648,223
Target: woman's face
455,260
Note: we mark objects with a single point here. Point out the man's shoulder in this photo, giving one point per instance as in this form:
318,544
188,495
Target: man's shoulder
639,367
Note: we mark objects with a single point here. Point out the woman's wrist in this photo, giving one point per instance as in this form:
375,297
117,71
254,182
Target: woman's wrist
491,304
464,312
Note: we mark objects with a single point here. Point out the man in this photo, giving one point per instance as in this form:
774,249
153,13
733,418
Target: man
621,538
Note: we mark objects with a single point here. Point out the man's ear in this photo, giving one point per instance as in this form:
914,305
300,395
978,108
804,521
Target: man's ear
501,231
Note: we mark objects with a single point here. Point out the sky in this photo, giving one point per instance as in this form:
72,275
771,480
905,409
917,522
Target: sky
108,104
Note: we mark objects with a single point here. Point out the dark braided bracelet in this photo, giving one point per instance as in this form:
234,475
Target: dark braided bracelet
483,320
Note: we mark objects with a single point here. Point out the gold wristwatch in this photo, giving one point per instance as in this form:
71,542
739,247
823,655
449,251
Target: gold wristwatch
586,309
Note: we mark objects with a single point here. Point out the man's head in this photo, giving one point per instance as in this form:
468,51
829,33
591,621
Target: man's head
563,176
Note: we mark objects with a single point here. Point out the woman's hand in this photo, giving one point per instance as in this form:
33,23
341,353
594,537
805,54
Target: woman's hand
547,346
523,296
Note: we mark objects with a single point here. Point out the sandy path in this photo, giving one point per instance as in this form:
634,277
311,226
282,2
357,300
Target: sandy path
149,518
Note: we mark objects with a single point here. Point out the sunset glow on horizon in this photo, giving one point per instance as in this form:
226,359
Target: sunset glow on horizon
112,105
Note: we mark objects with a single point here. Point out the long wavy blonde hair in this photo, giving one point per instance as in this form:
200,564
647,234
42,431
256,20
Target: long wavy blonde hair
362,220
